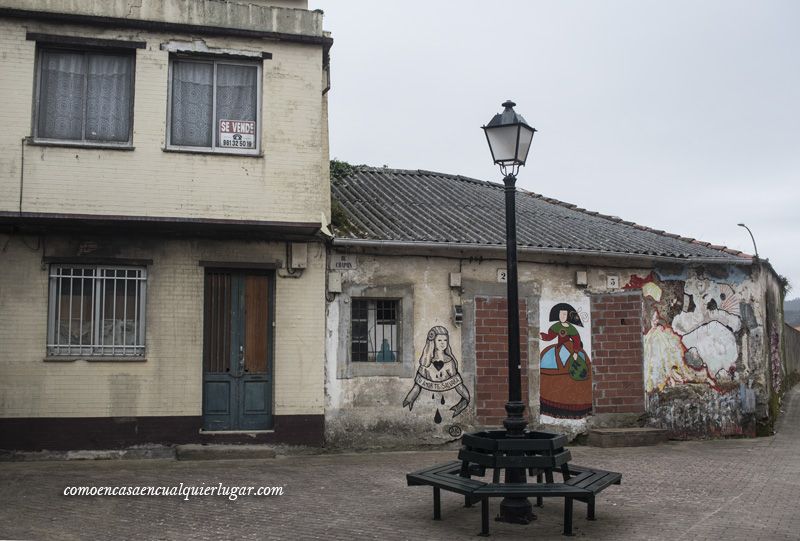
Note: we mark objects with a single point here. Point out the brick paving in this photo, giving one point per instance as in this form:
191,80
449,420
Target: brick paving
724,489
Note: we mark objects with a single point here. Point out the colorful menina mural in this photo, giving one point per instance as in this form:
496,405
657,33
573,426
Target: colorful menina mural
438,373
692,335
565,367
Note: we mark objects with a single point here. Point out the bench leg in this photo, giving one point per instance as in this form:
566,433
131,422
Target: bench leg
548,475
539,499
568,516
437,504
467,501
484,517
590,509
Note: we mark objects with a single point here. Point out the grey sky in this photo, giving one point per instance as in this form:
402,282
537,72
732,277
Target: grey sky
680,115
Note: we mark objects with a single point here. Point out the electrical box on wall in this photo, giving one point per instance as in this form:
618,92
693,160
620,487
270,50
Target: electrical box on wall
299,255
455,279
334,282
581,278
458,314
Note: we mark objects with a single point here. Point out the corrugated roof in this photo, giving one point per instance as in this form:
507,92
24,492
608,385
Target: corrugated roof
423,206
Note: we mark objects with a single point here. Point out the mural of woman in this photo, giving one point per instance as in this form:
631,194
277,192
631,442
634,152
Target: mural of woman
566,374
438,373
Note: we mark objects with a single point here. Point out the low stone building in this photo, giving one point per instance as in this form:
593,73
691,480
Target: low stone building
620,324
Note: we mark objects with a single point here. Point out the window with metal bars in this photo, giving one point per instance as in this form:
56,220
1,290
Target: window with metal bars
96,311
375,330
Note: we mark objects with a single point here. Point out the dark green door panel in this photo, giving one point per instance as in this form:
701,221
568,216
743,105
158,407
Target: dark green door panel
237,351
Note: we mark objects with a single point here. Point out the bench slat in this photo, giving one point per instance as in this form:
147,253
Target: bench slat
603,482
529,490
437,468
439,482
536,461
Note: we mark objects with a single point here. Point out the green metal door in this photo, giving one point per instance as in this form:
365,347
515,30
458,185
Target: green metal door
237,351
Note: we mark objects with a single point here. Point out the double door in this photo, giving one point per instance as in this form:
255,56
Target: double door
237,351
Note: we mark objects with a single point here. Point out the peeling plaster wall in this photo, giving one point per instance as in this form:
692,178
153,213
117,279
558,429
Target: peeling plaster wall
364,408
707,354
791,349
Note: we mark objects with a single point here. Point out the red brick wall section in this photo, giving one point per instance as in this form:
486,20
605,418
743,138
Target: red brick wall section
618,377
491,351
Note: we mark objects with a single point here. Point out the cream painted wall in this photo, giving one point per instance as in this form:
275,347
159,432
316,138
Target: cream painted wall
288,183
169,381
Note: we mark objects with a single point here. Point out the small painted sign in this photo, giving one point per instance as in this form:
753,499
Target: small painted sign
502,276
237,133
343,262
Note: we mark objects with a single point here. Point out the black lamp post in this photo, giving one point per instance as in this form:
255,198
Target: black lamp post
509,138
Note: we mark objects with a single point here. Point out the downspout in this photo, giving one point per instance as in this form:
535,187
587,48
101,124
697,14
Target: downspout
21,172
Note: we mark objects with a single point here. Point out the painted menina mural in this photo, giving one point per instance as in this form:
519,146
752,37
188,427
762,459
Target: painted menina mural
438,373
565,367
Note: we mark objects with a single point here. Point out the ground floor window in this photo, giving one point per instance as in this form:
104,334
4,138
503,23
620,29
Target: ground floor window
375,330
96,310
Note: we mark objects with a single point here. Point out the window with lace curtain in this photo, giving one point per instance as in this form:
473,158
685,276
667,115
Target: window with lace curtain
214,105
84,97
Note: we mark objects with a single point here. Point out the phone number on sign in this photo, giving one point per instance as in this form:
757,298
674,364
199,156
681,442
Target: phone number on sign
240,144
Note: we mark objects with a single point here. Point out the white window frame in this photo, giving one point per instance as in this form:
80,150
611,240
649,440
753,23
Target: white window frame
40,50
214,128
99,276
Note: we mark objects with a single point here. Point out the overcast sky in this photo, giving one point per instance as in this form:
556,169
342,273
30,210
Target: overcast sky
680,115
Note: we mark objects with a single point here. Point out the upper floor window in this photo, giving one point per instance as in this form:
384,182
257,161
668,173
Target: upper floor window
214,105
84,97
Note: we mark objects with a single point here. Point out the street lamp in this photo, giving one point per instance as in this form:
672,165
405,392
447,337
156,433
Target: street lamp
751,238
509,138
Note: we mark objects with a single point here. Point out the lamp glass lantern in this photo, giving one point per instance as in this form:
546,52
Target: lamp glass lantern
509,137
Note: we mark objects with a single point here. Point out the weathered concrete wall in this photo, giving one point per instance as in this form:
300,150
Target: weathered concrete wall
287,182
706,349
262,15
791,350
365,407
698,363
169,382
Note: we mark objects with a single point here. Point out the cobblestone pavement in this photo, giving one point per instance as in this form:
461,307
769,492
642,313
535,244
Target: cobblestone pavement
726,489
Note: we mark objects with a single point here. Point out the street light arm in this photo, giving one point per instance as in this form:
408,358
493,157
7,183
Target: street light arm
755,248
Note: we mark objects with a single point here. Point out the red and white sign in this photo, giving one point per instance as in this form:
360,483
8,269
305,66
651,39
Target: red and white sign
237,133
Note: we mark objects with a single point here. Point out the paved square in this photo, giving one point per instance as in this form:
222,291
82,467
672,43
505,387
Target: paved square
725,489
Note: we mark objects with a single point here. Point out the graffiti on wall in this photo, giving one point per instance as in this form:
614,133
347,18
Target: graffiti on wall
438,374
564,363
693,333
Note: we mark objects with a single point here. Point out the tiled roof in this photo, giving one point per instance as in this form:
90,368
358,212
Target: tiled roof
423,206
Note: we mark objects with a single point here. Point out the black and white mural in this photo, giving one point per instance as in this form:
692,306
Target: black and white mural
438,375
